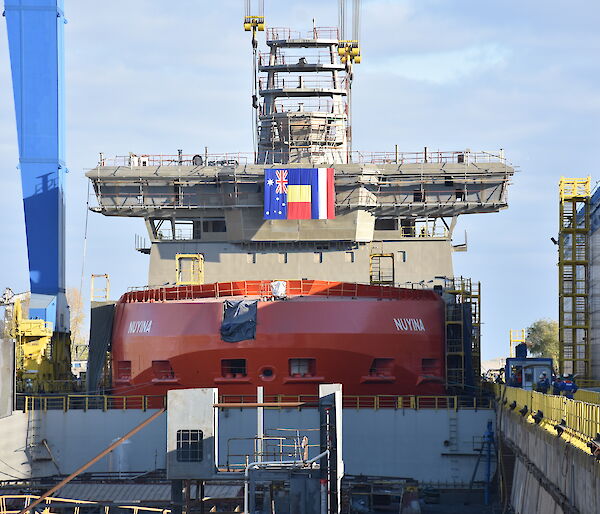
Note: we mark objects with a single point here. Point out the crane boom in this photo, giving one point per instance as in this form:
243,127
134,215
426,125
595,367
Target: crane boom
35,38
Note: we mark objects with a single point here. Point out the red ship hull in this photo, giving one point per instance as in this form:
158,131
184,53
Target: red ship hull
374,340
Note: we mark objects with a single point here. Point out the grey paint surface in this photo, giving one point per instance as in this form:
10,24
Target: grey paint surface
414,260
384,442
192,409
7,374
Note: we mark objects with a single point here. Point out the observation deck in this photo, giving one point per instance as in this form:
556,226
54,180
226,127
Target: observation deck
384,184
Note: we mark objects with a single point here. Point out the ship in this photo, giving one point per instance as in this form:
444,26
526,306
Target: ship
303,262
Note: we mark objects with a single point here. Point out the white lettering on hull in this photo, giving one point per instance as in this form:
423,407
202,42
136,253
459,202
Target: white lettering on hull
409,325
140,327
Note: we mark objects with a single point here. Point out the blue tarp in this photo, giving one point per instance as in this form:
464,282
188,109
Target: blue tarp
239,320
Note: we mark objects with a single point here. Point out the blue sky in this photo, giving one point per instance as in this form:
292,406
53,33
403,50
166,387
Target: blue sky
151,76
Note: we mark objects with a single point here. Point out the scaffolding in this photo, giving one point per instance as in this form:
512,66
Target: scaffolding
303,111
463,333
573,277
516,337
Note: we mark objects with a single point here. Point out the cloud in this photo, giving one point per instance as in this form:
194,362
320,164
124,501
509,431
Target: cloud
444,67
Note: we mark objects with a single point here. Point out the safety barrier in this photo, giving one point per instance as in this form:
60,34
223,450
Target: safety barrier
358,157
87,402
577,418
14,503
263,288
139,402
375,401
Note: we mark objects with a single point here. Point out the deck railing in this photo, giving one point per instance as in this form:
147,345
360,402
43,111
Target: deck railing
357,157
140,402
579,420
15,503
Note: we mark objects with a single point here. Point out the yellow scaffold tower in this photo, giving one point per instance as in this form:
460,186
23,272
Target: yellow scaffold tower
573,277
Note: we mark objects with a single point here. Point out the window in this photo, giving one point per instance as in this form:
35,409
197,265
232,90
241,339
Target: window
184,230
448,181
214,225
318,257
233,368
418,195
429,365
386,223
302,367
124,370
283,258
349,257
162,370
460,195
402,255
251,258
189,445
408,227
381,367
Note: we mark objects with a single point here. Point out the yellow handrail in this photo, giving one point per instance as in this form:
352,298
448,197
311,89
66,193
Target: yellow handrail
579,419
61,503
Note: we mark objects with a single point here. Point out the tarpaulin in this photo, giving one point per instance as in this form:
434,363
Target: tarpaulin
239,320
100,341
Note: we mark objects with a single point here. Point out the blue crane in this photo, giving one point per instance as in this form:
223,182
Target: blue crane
36,45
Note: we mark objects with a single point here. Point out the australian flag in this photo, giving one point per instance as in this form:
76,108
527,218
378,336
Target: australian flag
299,193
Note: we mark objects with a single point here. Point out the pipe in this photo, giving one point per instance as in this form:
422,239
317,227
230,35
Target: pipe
284,463
132,432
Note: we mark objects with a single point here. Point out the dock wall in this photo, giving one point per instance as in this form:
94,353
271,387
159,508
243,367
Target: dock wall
550,475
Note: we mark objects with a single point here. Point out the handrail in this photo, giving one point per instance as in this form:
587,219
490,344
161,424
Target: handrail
86,402
7,501
149,402
357,157
579,419
262,288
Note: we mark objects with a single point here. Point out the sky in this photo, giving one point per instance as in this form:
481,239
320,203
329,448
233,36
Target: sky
150,76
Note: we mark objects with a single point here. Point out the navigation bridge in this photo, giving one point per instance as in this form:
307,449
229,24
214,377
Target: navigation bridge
395,215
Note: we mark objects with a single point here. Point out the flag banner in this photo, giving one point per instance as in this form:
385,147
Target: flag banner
299,194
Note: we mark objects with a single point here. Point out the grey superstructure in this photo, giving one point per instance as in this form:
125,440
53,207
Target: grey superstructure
395,212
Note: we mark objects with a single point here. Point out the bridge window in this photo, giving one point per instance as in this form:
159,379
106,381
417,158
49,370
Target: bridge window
418,195
381,368
124,370
214,225
430,365
162,370
302,367
233,368
189,445
386,223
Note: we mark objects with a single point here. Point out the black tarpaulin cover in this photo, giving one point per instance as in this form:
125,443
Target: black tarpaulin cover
101,325
239,320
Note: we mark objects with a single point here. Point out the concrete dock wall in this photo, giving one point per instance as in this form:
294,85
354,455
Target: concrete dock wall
551,476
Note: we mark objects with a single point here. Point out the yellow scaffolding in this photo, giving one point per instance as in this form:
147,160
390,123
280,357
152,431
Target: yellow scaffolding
516,337
573,277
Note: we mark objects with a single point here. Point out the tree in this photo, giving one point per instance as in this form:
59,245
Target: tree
542,338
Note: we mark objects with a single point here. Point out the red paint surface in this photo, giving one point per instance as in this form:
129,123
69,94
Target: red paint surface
343,334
